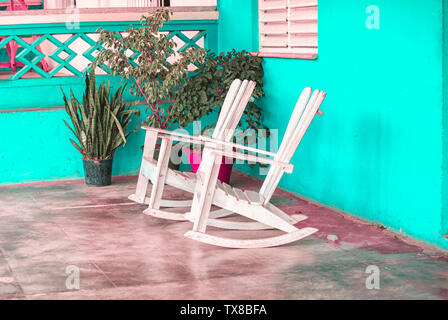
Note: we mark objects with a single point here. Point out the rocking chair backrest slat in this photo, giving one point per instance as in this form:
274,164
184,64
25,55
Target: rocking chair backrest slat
228,102
301,119
307,117
220,132
293,122
299,131
231,111
269,185
236,116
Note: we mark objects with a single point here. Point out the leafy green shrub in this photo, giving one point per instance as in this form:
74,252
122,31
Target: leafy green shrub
151,75
204,91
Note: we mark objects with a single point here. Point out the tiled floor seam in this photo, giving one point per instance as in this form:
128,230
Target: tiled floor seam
88,260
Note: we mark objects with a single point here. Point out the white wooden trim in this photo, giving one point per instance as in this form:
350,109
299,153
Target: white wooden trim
100,15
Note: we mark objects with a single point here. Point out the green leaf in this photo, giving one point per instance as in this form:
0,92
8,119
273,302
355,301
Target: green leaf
76,146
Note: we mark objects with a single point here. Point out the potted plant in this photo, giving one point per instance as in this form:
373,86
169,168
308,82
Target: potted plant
152,72
205,91
99,125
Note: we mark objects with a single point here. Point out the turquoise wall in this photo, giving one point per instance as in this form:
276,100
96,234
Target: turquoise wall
34,141
38,142
378,151
445,122
237,25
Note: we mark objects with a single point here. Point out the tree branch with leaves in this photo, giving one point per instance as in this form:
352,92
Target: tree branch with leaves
146,58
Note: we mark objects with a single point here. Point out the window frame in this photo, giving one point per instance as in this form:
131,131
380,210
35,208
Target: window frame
285,52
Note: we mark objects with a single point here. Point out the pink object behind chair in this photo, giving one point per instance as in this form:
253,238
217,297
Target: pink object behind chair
14,5
12,46
195,158
8,50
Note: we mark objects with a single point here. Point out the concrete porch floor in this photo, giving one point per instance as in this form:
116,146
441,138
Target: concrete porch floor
123,254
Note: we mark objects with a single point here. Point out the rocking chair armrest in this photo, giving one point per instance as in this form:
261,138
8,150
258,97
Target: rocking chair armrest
175,136
191,139
235,145
204,140
163,131
288,167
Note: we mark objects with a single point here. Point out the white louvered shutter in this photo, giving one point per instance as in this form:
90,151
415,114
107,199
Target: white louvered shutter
288,27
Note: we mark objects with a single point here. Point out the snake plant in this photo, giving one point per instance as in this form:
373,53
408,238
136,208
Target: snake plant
100,122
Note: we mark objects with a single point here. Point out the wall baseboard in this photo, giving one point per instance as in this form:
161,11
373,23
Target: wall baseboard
60,182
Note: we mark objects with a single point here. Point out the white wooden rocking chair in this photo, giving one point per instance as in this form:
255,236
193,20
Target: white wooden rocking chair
160,175
255,206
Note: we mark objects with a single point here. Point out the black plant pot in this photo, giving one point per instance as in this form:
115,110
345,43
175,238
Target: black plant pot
98,173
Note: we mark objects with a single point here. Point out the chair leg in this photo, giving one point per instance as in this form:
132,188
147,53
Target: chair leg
148,152
160,174
202,203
